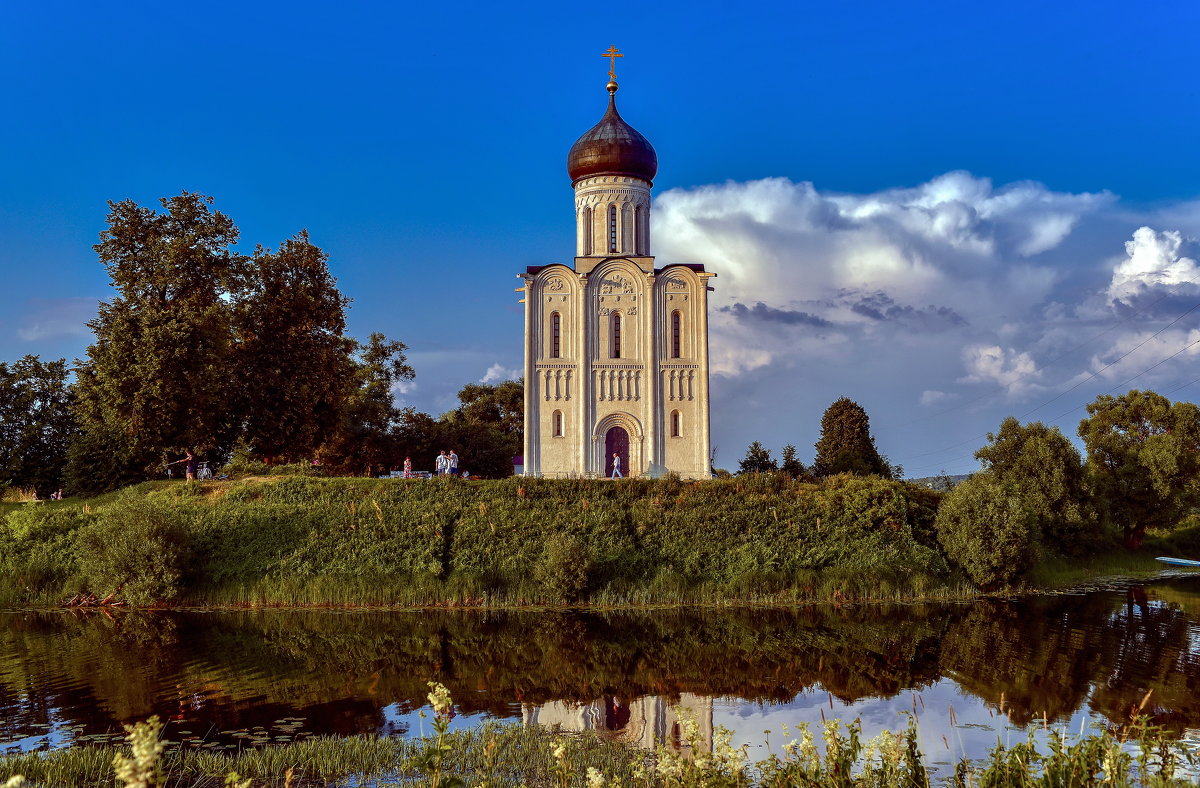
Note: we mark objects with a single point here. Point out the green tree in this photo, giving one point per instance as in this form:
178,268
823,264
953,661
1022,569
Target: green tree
365,441
488,429
1143,460
160,374
1047,472
846,445
294,366
984,527
758,459
37,423
790,465
502,405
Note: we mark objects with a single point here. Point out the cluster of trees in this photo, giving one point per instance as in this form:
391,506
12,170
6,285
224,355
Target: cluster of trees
37,422
1037,495
845,446
205,349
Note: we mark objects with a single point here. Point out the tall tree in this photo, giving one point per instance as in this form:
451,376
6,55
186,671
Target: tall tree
160,374
1046,471
294,366
37,423
488,429
1143,460
501,404
365,439
790,464
846,445
758,459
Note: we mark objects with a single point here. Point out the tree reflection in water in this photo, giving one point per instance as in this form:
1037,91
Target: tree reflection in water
352,672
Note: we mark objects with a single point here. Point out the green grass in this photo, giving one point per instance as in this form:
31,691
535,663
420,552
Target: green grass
302,541
310,541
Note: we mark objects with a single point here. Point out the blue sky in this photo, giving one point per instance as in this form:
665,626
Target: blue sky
937,205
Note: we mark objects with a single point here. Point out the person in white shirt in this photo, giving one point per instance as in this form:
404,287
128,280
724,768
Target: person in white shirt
453,463
616,474
441,464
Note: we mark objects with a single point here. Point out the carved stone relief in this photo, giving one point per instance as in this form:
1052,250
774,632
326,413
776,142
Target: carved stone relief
616,283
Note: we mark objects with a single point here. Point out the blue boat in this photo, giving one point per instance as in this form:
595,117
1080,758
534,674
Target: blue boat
1179,561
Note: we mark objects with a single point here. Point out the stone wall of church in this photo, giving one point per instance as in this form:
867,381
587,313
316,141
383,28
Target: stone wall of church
681,304
620,346
554,392
617,347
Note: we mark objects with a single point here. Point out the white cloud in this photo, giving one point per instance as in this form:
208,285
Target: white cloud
498,373
931,397
1007,368
812,277
1150,357
1153,259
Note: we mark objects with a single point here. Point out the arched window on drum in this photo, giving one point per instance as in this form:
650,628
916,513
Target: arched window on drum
612,228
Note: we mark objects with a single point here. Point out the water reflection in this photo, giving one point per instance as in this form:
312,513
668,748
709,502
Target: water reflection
276,675
645,722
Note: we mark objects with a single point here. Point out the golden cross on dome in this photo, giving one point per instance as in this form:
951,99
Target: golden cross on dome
612,56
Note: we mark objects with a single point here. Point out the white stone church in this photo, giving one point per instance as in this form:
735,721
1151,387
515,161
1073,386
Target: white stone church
616,351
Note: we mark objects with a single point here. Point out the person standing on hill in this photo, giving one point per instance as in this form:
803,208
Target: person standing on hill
441,464
408,467
452,461
190,468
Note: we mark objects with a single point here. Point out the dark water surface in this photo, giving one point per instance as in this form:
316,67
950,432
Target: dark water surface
226,679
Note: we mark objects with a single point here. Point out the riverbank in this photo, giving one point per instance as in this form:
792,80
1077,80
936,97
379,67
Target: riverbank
297,541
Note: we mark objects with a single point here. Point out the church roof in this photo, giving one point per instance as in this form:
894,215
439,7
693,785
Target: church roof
612,147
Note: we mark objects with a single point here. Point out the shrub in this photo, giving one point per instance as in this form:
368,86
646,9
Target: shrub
984,528
137,547
565,568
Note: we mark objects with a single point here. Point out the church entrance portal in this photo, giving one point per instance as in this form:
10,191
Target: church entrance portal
616,441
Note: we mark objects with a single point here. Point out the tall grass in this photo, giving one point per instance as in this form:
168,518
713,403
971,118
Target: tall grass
512,755
311,541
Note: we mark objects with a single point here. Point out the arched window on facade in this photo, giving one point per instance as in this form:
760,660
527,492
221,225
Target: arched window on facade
676,424
557,424
616,335
676,334
555,335
612,228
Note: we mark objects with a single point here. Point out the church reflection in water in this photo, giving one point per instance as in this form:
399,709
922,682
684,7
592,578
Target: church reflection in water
647,722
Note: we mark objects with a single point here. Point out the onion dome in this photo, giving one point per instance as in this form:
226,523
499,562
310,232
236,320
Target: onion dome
612,147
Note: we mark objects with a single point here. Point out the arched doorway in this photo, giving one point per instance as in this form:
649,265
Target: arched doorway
616,441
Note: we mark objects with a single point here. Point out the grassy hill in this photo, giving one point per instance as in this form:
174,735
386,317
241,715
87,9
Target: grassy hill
314,541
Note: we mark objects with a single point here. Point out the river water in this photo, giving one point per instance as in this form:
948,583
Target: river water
971,672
